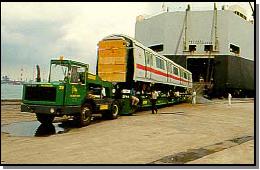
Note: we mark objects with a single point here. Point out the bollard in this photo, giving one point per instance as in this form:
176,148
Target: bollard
229,99
194,97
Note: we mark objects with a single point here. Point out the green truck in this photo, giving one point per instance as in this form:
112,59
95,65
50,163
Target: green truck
72,91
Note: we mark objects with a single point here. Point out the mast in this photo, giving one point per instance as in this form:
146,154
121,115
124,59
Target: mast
21,78
216,36
33,73
214,26
38,77
253,13
185,30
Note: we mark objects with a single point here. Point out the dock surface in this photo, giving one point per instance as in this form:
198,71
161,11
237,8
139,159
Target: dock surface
210,133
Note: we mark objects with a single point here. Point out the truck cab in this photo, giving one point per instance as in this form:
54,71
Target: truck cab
71,90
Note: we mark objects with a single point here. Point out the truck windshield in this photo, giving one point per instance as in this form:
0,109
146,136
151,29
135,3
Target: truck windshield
58,72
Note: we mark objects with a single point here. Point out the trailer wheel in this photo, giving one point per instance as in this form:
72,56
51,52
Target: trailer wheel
113,112
84,118
45,118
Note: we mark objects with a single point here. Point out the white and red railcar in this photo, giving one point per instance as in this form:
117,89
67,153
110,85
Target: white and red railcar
123,59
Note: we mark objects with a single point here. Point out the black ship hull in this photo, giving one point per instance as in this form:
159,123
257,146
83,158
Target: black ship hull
228,74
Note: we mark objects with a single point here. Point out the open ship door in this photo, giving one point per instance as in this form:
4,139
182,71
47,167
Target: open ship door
112,60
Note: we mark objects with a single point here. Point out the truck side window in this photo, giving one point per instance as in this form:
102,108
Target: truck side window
81,79
81,73
78,74
74,75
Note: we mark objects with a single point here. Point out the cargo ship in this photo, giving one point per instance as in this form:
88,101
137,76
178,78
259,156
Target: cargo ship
216,45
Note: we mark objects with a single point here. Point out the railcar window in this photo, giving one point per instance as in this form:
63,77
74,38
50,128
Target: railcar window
175,71
147,58
181,73
170,68
162,65
185,75
158,63
151,59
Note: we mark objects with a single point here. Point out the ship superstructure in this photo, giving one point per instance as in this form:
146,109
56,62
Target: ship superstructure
217,46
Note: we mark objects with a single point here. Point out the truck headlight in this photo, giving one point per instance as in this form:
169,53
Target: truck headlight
52,110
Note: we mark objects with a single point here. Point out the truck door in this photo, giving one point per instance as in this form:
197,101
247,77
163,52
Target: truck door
76,88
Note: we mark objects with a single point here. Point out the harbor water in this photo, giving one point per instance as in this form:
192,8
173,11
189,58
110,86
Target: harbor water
9,91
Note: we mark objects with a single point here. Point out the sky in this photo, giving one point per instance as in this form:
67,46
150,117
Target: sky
36,32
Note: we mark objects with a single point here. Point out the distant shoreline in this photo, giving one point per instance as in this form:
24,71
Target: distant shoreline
12,93
10,102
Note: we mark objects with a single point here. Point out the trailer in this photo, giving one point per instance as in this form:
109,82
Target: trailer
131,66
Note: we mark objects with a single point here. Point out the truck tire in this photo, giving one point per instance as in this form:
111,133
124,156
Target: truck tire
45,118
45,130
114,111
85,115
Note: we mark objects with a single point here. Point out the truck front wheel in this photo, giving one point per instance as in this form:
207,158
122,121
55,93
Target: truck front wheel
84,118
45,118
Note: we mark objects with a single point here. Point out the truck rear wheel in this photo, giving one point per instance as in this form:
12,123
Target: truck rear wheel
45,118
85,115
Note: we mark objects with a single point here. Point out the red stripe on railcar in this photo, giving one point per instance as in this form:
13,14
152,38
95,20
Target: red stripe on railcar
145,68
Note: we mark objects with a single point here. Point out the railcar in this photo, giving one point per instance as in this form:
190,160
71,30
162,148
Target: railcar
132,66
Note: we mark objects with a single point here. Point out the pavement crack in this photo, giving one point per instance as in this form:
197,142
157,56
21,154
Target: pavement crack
193,154
175,113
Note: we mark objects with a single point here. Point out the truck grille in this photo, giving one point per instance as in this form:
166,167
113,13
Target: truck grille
40,93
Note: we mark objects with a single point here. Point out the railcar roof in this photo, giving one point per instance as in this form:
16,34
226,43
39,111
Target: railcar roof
122,36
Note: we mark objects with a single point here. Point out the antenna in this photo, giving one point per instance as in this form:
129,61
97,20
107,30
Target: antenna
21,78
